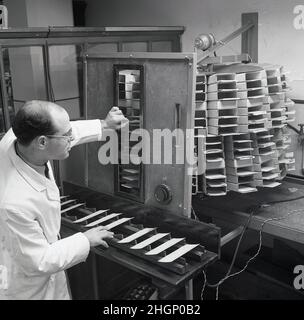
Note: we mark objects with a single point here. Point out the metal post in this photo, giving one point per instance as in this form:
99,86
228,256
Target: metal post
7,123
94,276
85,112
189,290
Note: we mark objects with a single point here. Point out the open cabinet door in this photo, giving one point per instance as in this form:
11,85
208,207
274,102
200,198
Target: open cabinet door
155,92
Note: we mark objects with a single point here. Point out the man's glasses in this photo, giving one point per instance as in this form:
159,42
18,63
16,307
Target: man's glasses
68,138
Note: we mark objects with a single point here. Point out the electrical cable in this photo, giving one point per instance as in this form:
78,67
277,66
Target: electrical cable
48,75
228,275
260,240
204,285
216,285
51,97
194,214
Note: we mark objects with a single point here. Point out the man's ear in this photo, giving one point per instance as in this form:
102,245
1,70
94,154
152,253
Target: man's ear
41,142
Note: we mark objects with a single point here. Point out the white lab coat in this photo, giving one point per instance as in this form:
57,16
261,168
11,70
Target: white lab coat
32,259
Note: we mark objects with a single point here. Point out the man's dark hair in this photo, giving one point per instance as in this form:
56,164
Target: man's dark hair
32,120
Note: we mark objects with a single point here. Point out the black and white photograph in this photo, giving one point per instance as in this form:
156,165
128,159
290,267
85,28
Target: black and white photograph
151,153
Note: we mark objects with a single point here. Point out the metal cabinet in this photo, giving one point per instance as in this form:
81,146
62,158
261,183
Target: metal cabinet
156,93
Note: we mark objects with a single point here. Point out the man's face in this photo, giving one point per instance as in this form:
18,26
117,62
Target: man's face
59,144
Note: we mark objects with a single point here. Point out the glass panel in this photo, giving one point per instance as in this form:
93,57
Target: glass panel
162,46
24,76
128,98
135,46
66,72
102,48
71,106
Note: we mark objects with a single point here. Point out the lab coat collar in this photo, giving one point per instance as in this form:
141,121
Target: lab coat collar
35,179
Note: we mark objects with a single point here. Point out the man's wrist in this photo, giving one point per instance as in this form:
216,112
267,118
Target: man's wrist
104,124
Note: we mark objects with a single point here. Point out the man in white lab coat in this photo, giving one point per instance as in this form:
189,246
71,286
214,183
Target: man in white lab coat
32,255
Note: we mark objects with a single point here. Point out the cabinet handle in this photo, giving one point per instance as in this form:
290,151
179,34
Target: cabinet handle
177,115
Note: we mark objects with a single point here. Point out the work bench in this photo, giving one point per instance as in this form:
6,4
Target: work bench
266,204
270,273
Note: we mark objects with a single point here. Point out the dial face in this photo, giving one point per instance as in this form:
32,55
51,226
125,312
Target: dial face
163,194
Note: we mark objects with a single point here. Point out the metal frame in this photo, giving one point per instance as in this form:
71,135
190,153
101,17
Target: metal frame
249,32
116,68
51,36
250,37
298,101
145,55
52,32
224,41
3,93
190,124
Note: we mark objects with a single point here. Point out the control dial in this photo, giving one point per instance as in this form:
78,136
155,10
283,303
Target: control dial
163,194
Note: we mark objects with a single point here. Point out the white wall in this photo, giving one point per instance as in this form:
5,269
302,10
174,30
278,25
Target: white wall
43,13
39,13
279,41
17,16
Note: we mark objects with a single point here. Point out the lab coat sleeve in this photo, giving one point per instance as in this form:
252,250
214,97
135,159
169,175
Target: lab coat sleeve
85,131
35,254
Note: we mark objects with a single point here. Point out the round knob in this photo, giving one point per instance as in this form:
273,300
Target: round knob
163,194
204,41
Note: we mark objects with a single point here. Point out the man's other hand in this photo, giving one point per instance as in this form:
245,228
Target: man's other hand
97,235
115,119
